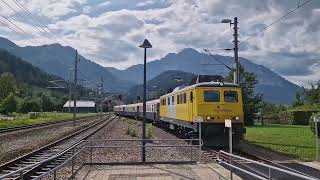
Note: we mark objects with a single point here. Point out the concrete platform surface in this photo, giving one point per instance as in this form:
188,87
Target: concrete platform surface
150,172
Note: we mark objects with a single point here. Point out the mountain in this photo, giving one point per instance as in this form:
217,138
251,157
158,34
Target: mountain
159,85
23,71
56,59
275,88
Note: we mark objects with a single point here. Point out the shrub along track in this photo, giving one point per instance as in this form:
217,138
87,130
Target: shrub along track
33,163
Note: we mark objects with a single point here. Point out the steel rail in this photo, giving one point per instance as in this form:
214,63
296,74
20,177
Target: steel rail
39,167
12,129
43,149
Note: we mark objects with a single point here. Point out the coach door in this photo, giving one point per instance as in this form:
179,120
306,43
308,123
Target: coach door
190,106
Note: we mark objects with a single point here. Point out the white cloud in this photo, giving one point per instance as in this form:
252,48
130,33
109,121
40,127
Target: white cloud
145,3
111,38
106,3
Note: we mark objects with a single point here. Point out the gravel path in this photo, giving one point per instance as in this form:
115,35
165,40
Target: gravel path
15,144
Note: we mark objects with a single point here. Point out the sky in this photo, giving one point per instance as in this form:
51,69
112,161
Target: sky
109,32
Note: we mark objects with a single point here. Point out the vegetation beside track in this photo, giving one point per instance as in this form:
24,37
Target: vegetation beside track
292,140
41,117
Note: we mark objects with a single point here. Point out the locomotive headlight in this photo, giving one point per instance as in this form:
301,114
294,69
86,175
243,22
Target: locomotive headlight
208,118
237,118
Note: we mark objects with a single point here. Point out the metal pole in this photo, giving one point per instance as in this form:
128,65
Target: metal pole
75,87
70,79
101,97
270,173
199,141
230,150
144,107
317,141
236,73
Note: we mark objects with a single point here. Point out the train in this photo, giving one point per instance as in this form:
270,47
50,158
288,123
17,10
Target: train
205,101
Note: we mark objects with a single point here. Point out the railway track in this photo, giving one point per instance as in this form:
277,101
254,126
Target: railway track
27,127
254,168
42,160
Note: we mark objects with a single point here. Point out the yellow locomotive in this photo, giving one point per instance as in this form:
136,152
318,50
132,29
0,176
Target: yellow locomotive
209,102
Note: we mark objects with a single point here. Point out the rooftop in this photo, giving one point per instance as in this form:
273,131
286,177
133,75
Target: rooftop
80,103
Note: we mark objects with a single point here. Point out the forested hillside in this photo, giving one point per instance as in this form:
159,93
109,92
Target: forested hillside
23,71
23,87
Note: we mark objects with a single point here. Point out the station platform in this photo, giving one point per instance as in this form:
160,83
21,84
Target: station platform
211,171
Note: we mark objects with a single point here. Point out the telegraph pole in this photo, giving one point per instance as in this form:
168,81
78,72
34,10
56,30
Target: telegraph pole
101,96
236,73
75,88
70,87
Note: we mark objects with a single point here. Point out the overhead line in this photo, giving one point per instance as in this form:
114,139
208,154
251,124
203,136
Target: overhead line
39,22
14,10
277,20
19,28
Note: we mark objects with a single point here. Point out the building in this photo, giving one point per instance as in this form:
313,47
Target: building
82,106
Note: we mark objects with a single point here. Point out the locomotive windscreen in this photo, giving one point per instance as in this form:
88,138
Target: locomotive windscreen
206,78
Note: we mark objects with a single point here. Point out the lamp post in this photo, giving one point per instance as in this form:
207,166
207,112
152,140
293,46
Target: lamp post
236,73
146,44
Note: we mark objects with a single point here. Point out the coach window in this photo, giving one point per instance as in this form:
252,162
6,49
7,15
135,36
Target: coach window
211,96
178,102
231,96
191,96
184,98
168,100
172,97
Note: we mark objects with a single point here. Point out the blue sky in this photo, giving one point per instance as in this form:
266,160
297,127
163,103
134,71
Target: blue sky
109,32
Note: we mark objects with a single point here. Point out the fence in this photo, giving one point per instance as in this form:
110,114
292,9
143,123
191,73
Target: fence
266,171
112,152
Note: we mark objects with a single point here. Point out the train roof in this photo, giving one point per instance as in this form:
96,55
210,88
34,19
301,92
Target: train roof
140,104
203,84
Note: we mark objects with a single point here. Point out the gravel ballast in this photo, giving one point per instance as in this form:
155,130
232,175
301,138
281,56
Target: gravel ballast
132,151
15,144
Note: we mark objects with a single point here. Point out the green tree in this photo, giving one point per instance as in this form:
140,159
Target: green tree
7,85
299,100
9,104
312,95
46,103
252,102
30,105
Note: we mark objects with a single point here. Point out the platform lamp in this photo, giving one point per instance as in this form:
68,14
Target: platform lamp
146,44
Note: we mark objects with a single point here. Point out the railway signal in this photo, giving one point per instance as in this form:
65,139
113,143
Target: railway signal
146,44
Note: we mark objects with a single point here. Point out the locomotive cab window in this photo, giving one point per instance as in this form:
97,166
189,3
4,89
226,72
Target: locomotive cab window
172,100
211,96
230,96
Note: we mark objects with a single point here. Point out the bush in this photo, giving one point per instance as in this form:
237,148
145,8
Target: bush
149,131
286,117
9,104
302,117
312,124
131,131
34,115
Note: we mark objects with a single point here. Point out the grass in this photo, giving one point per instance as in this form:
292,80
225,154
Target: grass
24,119
294,141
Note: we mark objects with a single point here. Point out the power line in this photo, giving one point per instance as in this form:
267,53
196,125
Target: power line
277,20
39,22
30,36
21,16
218,59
